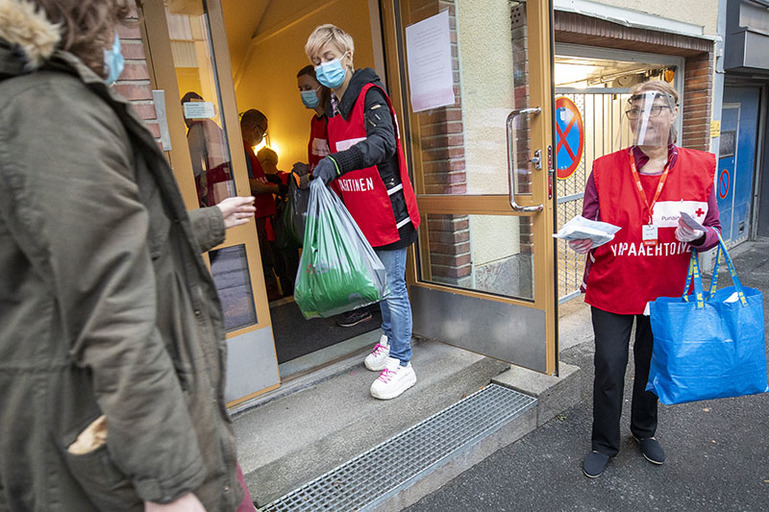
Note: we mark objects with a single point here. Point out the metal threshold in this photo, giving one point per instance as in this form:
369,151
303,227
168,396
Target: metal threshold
372,477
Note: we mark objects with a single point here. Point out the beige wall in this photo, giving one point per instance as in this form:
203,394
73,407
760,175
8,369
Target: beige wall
267,80
485,53
697,12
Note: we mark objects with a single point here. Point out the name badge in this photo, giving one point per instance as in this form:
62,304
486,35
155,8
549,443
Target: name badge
649,235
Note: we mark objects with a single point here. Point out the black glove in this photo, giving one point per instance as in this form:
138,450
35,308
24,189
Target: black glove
273,178
325,170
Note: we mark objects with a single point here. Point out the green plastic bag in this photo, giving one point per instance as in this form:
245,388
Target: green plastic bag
338,271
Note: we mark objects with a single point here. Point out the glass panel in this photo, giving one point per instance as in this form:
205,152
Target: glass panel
462,148
487,253
727,143
603,134
229,267
521,151
199,87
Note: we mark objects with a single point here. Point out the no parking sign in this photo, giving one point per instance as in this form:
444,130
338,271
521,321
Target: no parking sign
723,184
569,137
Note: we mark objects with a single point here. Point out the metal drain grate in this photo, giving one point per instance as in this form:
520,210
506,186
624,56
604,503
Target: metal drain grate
377,474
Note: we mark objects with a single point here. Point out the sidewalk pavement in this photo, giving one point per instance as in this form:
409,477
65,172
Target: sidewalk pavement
717,451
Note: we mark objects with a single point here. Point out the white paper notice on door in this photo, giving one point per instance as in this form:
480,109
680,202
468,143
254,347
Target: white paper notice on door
428,52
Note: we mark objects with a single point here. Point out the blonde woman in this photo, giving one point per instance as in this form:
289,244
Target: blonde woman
367,168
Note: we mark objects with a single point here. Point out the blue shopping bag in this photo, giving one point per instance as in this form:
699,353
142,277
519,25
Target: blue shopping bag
711,344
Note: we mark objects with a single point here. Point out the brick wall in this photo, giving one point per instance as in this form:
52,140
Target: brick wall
523,138
450,257
439,145
134,81
698,95
441,132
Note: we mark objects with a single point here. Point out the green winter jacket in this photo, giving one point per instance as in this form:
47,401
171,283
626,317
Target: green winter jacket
107,309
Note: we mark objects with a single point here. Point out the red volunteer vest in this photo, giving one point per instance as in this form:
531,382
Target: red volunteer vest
626,274
318,146
363,191
264,203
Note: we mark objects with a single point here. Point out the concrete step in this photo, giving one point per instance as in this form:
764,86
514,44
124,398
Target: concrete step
380,478
553,394
291,440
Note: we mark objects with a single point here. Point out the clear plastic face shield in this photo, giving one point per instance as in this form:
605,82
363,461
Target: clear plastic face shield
649,118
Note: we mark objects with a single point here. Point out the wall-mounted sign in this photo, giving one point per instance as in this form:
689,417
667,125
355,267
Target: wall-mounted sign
428,53
723,183
159,98
569,137
199,110
715,129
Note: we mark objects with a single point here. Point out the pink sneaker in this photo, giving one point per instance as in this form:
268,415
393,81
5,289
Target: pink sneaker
376,360
393,380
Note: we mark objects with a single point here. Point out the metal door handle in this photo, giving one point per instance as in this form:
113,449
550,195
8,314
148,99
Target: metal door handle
536,159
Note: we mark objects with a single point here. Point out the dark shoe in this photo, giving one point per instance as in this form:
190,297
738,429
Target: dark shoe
652,450
594,463
354,317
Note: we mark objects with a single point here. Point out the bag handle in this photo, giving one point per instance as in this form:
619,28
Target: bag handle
716,268
732,271
693,274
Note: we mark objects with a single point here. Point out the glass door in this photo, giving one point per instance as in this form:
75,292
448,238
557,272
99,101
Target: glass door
193,93
481,158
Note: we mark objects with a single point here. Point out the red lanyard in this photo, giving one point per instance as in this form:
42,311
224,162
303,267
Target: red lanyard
640,187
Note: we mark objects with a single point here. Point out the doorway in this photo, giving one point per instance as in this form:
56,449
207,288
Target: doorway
737,162
596,83
486,241
186,52
266,47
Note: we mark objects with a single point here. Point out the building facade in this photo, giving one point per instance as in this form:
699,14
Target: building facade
485,166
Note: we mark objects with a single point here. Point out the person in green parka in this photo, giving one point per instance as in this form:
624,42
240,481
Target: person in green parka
112,343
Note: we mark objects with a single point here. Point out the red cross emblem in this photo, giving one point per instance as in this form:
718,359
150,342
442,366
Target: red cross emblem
699,212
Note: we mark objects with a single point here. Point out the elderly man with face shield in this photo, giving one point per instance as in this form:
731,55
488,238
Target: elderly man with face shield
643,189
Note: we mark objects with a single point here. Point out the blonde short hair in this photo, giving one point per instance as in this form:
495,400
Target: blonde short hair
328,34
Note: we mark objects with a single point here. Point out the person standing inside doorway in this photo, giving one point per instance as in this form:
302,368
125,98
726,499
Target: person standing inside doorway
209,155
641,189
367,168
316,96
253,128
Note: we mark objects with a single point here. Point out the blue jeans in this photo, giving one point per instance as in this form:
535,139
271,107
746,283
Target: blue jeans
396,309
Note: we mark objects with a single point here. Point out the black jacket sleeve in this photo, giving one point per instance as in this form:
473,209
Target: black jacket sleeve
379,145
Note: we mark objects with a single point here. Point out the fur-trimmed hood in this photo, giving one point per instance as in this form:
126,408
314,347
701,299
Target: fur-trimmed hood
28,32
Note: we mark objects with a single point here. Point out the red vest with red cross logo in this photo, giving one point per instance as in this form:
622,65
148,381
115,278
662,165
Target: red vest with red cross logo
363,191
626,273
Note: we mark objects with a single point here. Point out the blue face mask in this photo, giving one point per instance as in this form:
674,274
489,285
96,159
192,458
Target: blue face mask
310,98
113,62
331,74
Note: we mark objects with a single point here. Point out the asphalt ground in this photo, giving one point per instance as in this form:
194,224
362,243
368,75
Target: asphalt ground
717,451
